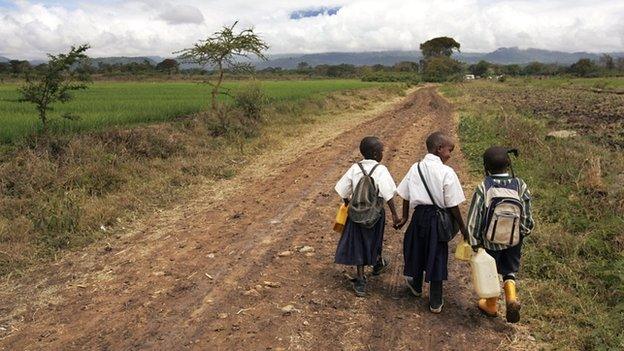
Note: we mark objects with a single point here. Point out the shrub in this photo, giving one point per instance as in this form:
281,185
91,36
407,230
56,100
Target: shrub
406,77
251,100
243,117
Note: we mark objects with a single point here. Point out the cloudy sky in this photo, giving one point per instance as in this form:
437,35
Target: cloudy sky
30,28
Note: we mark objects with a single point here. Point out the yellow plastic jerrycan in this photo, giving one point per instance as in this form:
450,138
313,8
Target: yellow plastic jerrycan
463,251
484,275
341,218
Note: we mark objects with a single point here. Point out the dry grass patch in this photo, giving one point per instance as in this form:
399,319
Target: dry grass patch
63,192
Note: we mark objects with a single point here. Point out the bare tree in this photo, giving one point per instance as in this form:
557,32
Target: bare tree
222,51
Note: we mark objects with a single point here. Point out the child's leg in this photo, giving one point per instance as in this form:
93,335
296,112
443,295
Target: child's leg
509,262
437,272
489,306
415,283
436,302
360,272
359,285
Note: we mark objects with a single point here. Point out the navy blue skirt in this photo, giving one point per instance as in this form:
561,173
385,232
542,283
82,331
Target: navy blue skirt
422,252
361,246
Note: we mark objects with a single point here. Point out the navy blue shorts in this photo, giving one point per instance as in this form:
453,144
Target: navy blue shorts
507,260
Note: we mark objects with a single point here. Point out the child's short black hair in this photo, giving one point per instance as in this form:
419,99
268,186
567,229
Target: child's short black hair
437,139
496,159
369,146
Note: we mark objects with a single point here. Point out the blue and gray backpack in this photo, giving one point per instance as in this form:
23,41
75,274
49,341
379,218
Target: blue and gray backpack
503,208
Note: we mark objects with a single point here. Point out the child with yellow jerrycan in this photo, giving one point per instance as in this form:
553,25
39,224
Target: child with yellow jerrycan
499,219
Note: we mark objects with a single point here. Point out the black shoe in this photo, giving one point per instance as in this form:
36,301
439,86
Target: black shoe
436,309
381,266
413,286
359,286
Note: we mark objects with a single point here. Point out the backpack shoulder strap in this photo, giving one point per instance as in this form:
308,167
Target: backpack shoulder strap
373,169
422,178
362,168
515,181
488,182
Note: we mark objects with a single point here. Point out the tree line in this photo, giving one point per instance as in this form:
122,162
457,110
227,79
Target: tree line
432,68
22,68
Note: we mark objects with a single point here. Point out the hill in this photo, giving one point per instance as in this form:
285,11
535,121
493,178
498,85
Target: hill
500,56
520,56
511,55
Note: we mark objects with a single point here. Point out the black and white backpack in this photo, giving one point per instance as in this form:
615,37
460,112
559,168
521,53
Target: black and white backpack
504,211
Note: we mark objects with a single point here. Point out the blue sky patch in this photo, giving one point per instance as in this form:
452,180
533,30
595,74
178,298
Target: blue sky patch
299,14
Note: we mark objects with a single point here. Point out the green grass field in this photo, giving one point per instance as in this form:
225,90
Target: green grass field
113,103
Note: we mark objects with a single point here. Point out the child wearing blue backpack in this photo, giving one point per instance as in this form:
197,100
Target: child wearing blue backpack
499,219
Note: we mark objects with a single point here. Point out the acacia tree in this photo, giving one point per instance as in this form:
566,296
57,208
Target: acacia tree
437,64
441,46
55,83
221,51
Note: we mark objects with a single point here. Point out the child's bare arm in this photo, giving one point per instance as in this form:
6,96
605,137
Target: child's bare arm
405,215
458,217
395,216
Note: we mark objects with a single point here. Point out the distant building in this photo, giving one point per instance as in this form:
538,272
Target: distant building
469,77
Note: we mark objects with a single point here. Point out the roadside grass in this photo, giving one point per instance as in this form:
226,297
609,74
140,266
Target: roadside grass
68,190
572,277
107,104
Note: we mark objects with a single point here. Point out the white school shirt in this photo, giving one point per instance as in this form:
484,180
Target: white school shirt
383,180
441,180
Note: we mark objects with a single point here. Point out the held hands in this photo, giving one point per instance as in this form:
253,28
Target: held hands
398,223
464,232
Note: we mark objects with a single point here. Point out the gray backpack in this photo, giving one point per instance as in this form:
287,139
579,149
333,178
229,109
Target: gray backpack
365,206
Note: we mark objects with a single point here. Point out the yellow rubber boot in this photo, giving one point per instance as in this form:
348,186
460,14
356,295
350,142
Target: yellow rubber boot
489,306
511,302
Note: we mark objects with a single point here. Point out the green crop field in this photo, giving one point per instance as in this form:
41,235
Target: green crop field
115,103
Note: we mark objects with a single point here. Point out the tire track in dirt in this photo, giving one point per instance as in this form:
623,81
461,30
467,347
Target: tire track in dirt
305,204
195,279
459,326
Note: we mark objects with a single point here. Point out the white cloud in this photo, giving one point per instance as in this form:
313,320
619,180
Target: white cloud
29,28
182,14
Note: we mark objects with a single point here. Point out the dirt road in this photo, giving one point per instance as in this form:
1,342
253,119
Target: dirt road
209,274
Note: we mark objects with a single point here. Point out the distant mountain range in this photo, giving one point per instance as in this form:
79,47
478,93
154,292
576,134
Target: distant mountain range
512,55
500,56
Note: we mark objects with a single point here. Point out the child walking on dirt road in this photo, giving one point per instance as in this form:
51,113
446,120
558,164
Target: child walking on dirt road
429,186
364,188
498,220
